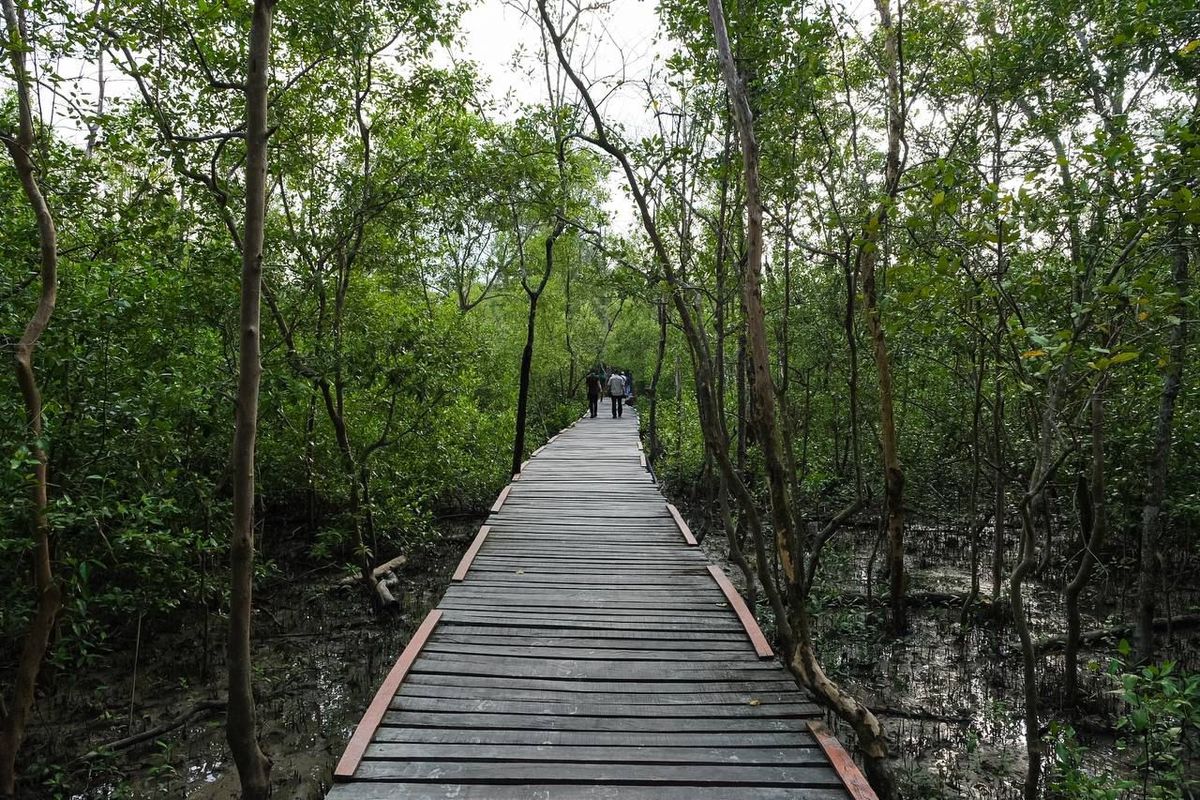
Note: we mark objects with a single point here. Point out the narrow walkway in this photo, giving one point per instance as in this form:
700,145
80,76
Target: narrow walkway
586,650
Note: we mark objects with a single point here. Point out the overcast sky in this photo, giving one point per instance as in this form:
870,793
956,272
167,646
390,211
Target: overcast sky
623,40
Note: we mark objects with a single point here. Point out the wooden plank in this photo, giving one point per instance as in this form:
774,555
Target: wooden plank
515,709
761,645
500,500
387,690
852,778
469,557
606,754
598,685
706,700
395,790
522,772
583,722
485,736
683,526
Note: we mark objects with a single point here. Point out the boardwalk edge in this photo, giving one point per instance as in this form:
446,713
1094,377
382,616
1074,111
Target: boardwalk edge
469,557
683,526
499,504
851,776
387,690
761,645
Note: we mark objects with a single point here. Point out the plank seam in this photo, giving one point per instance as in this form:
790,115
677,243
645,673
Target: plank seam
683,526
469,557
365,731
849,773
761,645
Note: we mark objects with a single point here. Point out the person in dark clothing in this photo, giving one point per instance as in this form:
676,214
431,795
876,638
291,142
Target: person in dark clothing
595,383
616,390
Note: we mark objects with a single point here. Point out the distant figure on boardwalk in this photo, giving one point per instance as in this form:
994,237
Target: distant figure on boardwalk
595,384
628,386
616,391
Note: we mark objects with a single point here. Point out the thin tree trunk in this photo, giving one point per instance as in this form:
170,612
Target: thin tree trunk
17,706
1149,570
801,655
974,531
527,352
852,377
254,768
658,363
1041,473
893,474
999,479
1095,530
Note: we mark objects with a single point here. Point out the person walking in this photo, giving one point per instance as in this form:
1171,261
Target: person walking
628,387
595,383
616,391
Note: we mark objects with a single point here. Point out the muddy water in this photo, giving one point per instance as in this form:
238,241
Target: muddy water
951,697
320,653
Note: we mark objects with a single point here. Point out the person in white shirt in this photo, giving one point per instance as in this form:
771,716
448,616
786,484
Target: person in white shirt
616,392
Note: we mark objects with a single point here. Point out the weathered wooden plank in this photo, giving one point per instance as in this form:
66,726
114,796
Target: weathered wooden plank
379,706
394,790
599,754
499,504
852,778
583,722
473,629
599,685
463,566
683,526
761,645
687,698
526,772
568,669
596,738
570,644
795,711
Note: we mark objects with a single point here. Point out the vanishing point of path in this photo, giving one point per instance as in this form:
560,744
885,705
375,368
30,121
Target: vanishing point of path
586,649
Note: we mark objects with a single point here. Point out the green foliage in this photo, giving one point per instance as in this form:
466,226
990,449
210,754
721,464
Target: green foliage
1159,739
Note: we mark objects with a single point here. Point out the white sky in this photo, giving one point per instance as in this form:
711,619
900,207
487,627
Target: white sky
622,42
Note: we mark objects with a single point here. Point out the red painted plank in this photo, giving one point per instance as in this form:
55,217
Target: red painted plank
472,551
852,778
683,526
379,706
496,506
761,645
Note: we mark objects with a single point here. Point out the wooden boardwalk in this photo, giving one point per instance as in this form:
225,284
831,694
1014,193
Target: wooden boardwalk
587,650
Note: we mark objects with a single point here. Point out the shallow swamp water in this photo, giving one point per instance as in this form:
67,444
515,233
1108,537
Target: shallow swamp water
319,653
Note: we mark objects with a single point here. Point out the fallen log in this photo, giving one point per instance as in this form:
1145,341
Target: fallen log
377,573
1184,622
384,589
202,707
